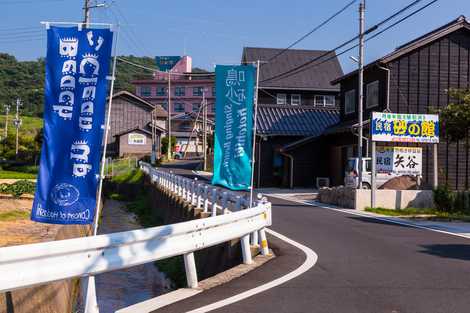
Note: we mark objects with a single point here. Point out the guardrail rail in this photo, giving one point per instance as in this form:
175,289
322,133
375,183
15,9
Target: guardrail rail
33,264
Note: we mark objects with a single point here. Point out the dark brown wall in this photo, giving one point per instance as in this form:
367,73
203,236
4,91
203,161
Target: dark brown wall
126,114
268,96
419,84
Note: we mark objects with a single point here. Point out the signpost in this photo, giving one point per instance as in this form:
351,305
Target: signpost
403,128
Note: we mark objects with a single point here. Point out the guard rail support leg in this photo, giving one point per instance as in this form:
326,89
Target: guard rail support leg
264,242
246,251
89,292
214,202
190,267
254,238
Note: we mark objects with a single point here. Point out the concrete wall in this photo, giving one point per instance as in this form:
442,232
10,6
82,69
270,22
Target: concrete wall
395,199
126,149
389,199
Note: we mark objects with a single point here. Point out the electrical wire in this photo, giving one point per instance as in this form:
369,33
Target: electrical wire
298,68
313,30
152,69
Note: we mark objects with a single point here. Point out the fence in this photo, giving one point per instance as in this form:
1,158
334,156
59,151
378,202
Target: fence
114,167
34,264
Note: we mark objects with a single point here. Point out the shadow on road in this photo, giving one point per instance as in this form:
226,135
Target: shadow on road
376,221
451,251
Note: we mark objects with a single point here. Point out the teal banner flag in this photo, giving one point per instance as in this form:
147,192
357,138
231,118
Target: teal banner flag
234,126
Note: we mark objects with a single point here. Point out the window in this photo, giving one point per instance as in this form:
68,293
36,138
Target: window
136,139
295,100
165,105
281,98
213,108
179,91
372,95
350,101
195,107
161,91
179,107
325,100
197,91
213,91
330,101
145,91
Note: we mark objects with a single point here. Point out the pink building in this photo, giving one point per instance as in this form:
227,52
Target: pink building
186,92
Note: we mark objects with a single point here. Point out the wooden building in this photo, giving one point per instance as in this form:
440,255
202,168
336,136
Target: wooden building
129,112
310,87
415,78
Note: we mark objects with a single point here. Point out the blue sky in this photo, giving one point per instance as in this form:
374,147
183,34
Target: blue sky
215,31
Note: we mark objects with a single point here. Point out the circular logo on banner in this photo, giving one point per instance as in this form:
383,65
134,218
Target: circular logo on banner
64,194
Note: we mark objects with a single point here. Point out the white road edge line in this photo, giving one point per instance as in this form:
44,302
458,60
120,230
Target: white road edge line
384,219
311,259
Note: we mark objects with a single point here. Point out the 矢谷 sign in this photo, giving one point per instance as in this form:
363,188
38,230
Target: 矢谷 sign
234,126
393,127
399,160
75,93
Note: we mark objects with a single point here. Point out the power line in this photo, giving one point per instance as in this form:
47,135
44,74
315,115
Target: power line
313,30
371,37
152,69
296,69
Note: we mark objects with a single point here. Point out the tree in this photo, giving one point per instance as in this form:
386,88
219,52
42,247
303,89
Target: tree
165,144
455,118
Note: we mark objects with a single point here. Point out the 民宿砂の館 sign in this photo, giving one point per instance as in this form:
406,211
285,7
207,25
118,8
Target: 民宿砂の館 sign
394,127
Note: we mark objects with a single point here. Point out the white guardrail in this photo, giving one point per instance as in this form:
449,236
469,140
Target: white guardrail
33,264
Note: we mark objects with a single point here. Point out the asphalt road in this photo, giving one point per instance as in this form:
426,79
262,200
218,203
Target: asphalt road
364,265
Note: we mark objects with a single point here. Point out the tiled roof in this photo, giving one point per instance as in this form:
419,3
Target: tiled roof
315,78
283,120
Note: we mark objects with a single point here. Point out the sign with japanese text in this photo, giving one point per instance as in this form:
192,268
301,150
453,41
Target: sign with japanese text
234,126
399,160
75,100
393,127
166,63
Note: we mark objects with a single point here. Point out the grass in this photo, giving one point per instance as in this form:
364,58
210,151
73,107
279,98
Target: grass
428,213
30,126
14,215
16,175
131,176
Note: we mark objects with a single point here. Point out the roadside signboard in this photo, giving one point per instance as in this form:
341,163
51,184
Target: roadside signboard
393,127
399,160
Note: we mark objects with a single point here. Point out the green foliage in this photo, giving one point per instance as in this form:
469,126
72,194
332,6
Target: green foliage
444,199
174,270
125,73
24,79
165,144
18,188
16,175
14,215
132,176
455,118
402,212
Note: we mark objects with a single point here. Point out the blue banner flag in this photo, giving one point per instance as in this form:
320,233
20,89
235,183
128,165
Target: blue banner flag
75,102
234,126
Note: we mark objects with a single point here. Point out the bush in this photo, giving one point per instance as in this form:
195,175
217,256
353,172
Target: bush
444,199
18,188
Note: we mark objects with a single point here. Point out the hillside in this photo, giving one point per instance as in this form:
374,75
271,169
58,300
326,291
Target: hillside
25,79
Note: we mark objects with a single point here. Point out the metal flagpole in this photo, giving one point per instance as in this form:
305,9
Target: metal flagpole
106,132
169,118
254,133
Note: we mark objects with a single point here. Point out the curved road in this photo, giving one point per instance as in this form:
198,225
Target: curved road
364,265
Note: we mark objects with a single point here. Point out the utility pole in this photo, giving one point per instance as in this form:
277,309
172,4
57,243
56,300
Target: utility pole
7,112
169,117
362,8
87,11
204,128
17,123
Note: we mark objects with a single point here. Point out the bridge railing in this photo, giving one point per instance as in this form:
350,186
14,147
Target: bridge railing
33,264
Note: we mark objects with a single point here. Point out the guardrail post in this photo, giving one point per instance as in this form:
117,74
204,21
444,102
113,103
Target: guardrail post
190,267
246,251
193,192
224,201
89,292
254,238
214,202
198,196
206,198
238,203
264,242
